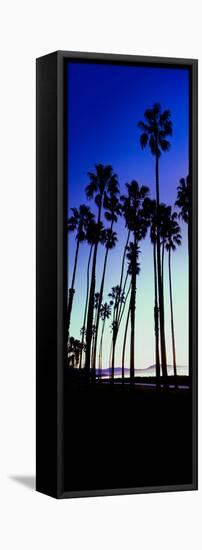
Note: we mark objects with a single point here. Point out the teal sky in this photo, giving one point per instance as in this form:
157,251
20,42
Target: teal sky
104,105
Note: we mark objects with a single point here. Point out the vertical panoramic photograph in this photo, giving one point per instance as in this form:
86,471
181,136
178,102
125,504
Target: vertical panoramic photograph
127,375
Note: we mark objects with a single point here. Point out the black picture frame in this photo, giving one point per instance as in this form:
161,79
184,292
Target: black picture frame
51,273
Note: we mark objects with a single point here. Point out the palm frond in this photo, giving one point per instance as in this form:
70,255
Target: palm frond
149,115
165,145
91,189
143,126
156,109
144,140
168,128
164,117
152,144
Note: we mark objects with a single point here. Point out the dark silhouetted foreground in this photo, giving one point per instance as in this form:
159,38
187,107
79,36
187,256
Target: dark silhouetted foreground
119,436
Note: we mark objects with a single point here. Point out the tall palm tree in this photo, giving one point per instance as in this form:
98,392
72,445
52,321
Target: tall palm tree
112,210
184,201
110,240
93,234
124,344
105,312
156,128
79,221
126,328
102,182
95,316
117,296
150,212
134,270
121,303
173,239
137,223
164,220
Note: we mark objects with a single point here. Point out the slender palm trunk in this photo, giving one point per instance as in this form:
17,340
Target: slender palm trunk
132,321
110,355
100,350
189,237
162,259
118,313
160,290
100,302
92,347
86,305
118,322
91,302
156,315
113,349
119,305
71,290
124,305
171,313
162,268
113,336
123,263
93,342
124,342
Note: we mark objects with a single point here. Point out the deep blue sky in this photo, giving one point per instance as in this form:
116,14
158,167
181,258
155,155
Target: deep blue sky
105,102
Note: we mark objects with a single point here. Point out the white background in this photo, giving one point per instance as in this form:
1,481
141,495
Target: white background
27,30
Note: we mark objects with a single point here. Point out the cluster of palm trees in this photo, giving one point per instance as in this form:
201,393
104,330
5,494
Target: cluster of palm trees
141,214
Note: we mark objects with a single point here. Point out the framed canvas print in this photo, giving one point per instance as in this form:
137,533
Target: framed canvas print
116,274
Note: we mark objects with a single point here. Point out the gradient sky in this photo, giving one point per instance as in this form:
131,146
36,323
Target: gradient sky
104,105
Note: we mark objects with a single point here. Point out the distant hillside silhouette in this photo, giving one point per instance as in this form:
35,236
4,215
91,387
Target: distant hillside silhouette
148,371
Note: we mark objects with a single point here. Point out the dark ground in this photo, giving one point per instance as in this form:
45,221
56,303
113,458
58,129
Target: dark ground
121,436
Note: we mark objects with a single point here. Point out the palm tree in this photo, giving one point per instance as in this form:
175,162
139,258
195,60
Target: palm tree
150,212
102,182
173,239
93,234
110,239
95,316
137,223
124,343
121,302
134,270
117,296
79,221
183,202
73,351
119,309
155,130
105,312
112,210
164,221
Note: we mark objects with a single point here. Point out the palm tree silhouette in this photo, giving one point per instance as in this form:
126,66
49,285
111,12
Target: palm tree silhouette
93,235
173,239
112,210
73,351
155,130
183,202
79,221
117,296
102,182
137,224
164,221
149,206
95,316
109,239
133,270
120,306
105,312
